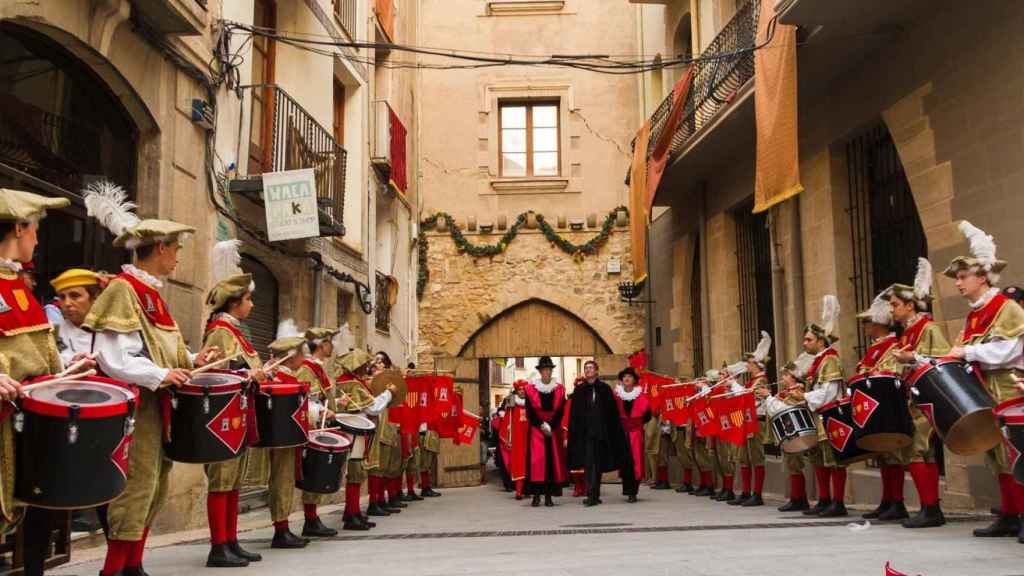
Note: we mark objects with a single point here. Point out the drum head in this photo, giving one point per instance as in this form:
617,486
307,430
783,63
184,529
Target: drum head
79,394
355,423
214,379
1011,411
329,440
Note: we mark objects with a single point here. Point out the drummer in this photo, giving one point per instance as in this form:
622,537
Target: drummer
137,340
77,289
230,303
290,347
315,371
991,341
922,338
27,350
750,456
791,393
353,368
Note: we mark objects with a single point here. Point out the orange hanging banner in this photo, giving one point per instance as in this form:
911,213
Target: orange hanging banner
638,203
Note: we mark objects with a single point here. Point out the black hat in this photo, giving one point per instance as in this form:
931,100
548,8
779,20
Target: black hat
628,370
545,362
1014,293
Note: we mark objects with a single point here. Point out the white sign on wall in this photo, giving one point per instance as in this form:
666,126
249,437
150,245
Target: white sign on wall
290,201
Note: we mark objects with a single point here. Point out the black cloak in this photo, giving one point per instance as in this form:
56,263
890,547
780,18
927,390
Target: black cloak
594,418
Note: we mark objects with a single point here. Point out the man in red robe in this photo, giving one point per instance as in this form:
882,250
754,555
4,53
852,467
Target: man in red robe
635,411
545,452
516,433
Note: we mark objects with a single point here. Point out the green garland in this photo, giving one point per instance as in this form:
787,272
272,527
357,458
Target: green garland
577,251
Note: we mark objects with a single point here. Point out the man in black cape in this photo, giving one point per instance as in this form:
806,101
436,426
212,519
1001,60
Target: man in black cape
597,442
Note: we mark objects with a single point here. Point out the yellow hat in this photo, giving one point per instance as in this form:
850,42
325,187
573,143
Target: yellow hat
151,232
231,287
73,278
287,344
318,333
18,206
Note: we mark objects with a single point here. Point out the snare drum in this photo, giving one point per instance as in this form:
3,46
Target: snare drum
1011,418
282,415
843,435
950,393
72,442
880,412
361,429
795,429
323,459
208,418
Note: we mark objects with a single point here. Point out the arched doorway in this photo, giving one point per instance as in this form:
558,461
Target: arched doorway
61,128
262,323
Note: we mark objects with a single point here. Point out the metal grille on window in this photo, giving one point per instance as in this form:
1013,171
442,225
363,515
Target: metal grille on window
696,319
754,271
382,308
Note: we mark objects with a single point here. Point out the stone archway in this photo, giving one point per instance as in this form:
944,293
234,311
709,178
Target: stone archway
534,328
601,324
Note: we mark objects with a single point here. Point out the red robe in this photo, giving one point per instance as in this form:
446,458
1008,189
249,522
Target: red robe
540,445
515,431
633,423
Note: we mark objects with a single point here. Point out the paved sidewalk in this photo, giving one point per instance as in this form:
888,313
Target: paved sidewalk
475,531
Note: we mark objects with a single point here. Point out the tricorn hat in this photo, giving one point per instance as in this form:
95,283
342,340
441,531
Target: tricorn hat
288,338
982,260
228,279
628,370
878,312
545,362
19,206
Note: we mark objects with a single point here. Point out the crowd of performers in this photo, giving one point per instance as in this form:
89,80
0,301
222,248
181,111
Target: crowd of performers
118,330
549,439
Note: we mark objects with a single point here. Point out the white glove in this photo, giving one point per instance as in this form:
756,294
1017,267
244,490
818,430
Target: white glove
545,428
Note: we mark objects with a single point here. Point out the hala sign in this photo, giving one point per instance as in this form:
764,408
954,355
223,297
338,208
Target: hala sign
290,201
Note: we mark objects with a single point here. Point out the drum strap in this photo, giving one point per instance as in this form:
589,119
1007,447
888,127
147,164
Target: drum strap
250,421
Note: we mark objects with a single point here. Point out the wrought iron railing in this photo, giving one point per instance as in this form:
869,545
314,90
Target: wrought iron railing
345,11
382,308
284,136
723,68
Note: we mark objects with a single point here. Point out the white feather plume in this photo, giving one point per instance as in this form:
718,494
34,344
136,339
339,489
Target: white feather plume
829,314
923,279
737,368
982,246
803,364
108,203
288,328
344,340
225,261
764,346
879,310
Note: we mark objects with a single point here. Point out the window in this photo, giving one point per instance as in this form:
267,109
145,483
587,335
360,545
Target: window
265,16
528,144
339,112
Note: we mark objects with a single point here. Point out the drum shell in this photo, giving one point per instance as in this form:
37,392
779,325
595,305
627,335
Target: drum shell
852,451
321,470
54,473
795,436
362,438
960,408
191,440
275,422
889,427
1013,432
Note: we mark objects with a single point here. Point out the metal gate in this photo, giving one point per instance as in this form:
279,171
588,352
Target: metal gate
886,232
754,272
696,311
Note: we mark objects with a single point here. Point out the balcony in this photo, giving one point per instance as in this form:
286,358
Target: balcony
346,13
720,93
174,17
389,145
284,136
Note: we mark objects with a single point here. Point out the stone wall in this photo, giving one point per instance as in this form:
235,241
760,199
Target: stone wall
464,293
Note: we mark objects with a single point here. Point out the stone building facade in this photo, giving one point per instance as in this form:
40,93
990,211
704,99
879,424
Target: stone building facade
901,136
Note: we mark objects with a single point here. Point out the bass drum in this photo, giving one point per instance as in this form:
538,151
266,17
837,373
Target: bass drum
72,441
881,413
323,460
208,418
842,432
282,413
952,396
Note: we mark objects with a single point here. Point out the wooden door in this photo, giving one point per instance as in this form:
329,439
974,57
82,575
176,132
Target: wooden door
460,465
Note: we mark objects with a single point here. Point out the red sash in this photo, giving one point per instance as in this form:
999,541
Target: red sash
152,304
20,312
325,382
875,352
813,371
912,335
242,340
979,321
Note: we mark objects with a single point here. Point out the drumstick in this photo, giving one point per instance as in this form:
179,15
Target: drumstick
73,367
213,365
277,362
61,380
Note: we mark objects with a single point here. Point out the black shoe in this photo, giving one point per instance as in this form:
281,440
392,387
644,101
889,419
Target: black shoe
685,489
134,571
661,486
896,511
929,517
396,502
883,506
366,520
819,507
1005,525
725,496
754,500
1020,535
355,523
704,491
315,529
536,500
631,499
519,496
995,511
375,509
222,557
591,502
737,500
243,553
548,502
836,509
285,539
411,497
795,506
429,493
